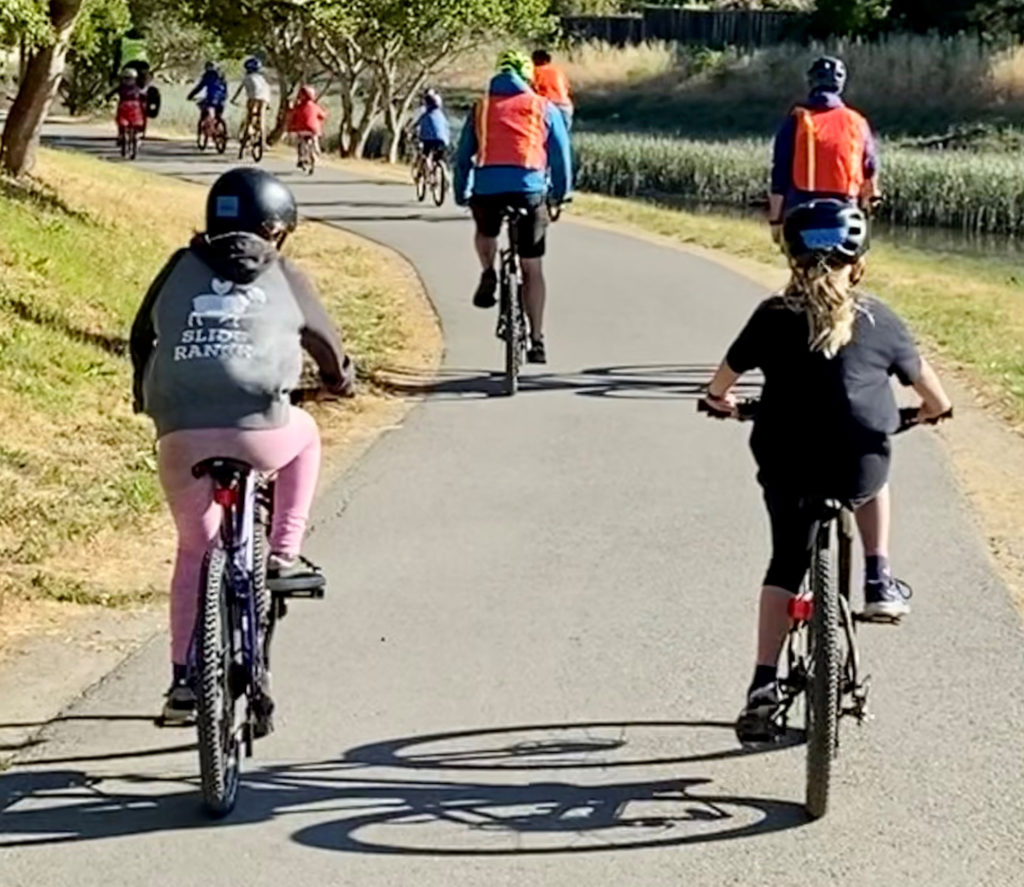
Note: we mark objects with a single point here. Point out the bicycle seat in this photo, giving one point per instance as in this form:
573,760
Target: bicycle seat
225,472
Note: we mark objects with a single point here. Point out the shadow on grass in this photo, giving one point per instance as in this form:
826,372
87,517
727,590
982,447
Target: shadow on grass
51,320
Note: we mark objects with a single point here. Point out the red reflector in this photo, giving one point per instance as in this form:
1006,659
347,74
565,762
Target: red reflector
801,609
225,496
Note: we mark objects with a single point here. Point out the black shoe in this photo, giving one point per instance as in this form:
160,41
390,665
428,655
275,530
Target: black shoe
180,707
484,295
886,600
537,353
756,723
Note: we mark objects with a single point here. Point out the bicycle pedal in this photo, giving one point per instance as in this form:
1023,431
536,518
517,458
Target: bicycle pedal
877,619
305,587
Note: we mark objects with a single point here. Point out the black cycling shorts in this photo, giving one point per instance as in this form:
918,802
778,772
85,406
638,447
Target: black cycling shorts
794,519
531,230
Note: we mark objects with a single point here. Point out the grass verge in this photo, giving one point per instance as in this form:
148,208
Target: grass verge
970,309
81,518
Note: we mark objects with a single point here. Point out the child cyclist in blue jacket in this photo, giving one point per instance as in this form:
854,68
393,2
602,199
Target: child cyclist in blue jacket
822,428
432,126
214,88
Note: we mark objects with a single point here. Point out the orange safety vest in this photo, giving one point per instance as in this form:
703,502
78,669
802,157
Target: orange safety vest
828,151
512,130
551,83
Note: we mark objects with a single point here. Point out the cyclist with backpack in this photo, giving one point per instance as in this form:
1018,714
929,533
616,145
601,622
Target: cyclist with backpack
216,348
823,149
511,141
827,351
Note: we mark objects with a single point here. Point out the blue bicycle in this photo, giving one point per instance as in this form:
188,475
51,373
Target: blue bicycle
238,610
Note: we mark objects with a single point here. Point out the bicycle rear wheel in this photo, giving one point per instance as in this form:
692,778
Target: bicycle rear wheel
513,320
219,748
257,148
439,183
133,143
823,686
243,143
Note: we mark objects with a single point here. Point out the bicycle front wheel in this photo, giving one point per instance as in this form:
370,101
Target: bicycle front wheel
219,748
823,686
202,135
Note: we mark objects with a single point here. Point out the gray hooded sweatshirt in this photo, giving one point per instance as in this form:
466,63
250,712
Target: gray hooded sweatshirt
218,340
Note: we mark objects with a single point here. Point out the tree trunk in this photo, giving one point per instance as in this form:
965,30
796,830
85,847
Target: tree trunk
36,92
281,124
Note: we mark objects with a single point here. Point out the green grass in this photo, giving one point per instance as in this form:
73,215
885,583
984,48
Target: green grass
970,309
78,490
972,191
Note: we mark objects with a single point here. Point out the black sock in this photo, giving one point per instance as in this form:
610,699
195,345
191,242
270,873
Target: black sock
179,673
876,568
763,674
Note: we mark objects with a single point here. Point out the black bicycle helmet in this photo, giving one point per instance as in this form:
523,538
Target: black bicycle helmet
832,232
828,74
248,199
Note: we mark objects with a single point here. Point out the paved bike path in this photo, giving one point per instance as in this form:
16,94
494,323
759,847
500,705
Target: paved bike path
539,628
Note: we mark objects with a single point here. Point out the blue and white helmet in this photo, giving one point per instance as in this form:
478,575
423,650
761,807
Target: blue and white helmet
830,232
253,65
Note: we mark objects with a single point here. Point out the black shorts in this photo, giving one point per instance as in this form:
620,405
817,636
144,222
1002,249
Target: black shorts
794,518
531,230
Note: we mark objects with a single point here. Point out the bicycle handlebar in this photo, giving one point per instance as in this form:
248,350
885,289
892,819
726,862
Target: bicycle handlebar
747,410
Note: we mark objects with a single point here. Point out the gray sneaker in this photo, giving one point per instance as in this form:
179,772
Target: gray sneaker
886,600
180,707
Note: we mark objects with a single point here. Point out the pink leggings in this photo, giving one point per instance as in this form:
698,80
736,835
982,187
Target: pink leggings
293,451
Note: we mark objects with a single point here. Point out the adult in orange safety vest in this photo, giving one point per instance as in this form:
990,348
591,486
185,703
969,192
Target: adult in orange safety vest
514,151
823,149
550,81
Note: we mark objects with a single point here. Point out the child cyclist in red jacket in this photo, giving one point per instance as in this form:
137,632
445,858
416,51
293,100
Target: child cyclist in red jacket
131,103
307,117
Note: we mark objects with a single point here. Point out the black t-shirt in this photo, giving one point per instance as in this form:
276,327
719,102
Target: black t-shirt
814,408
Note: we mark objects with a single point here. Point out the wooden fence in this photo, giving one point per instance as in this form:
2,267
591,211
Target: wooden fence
714,28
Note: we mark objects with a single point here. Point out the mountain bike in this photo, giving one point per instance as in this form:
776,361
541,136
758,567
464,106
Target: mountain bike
306,152
512,322
238,610
821,659
430,173
211,128
251,137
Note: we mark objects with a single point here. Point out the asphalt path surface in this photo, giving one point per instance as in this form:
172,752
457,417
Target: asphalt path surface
539,629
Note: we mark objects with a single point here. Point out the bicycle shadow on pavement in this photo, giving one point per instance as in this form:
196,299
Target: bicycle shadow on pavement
631,382
367,808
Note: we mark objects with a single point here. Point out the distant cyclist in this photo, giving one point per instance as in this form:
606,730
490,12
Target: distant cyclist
214,88
257,92
823,149
827,351
431,126
216,348
513,141
550,81
307,117
131,103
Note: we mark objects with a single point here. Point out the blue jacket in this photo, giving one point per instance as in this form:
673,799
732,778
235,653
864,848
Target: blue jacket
432,126
471,181
215,86
782,159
